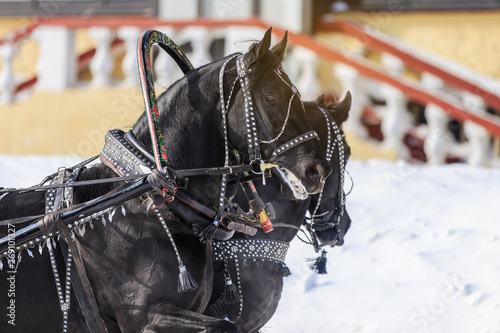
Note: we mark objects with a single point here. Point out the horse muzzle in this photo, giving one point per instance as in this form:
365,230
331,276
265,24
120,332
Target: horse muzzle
309,182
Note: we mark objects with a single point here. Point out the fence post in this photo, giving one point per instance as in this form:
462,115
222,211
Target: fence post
307,82
201,39
101,65
166,71
395,120
437,121
352,81
56,68
478,136
8,51
130,35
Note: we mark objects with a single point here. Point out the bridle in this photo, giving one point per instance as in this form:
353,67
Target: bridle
253,119
241,251
253,122
322,221
168,185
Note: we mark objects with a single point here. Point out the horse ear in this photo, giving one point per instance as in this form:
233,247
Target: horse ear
320,101
280,48
258,50
341,110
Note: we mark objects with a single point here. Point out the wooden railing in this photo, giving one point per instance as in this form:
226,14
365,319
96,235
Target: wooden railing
447,90
413,58
467,103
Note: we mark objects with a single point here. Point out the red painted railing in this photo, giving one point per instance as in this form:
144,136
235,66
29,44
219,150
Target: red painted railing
415,91
20,33
375,42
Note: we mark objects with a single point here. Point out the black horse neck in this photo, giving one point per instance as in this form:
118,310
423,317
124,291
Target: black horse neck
193,137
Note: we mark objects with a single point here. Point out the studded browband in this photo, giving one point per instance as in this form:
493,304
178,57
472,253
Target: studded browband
250,249
124,155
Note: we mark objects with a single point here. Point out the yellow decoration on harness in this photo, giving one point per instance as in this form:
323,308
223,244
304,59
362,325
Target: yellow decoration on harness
265,166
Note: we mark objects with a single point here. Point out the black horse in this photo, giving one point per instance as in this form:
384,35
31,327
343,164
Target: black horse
260,282
129,257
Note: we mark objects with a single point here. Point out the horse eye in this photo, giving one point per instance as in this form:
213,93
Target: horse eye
269,98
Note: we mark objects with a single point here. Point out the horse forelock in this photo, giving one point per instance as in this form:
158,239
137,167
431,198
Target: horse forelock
261,67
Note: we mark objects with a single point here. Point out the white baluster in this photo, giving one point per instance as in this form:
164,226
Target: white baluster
437,121
7,83
130,35
56,68
395,120
200,39
307,82
351,81
478,136
101,65
166,70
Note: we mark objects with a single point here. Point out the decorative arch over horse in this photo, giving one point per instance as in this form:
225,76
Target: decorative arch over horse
132,253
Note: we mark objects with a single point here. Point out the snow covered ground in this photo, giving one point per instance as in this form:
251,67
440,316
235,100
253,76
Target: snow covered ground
422,254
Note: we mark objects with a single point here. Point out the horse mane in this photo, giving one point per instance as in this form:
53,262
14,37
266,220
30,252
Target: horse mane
89,192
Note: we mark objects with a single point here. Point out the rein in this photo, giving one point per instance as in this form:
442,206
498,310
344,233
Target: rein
168,185
124,155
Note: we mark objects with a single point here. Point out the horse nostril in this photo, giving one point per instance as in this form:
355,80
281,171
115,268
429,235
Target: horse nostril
316,171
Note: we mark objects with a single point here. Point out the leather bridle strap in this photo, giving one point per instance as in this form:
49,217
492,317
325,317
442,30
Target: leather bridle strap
283,225
80,282
81,285
292,143
253,119
317,222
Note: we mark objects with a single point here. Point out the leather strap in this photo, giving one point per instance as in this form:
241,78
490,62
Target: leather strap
80,282
81,286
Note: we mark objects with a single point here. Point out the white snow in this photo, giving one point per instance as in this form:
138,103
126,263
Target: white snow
422,254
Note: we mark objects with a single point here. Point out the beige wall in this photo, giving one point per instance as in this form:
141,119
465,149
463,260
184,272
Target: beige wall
69,123
469,38
74,122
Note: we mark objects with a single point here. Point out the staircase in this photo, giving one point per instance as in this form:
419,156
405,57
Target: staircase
393,115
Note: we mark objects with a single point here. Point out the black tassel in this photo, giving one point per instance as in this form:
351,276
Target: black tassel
218,310
186,282
319,264
209,231
230,294
285,270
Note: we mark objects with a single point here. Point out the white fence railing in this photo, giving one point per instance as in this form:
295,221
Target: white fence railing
57,69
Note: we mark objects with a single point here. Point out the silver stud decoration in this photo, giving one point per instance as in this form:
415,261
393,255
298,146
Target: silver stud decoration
64,299
224,109
250,119
334,139
294,142
250,249
124,159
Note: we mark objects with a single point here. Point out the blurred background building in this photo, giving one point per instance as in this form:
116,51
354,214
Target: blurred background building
424,74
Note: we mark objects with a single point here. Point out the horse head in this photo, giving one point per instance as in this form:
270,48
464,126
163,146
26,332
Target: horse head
330,220
277,129
261,282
